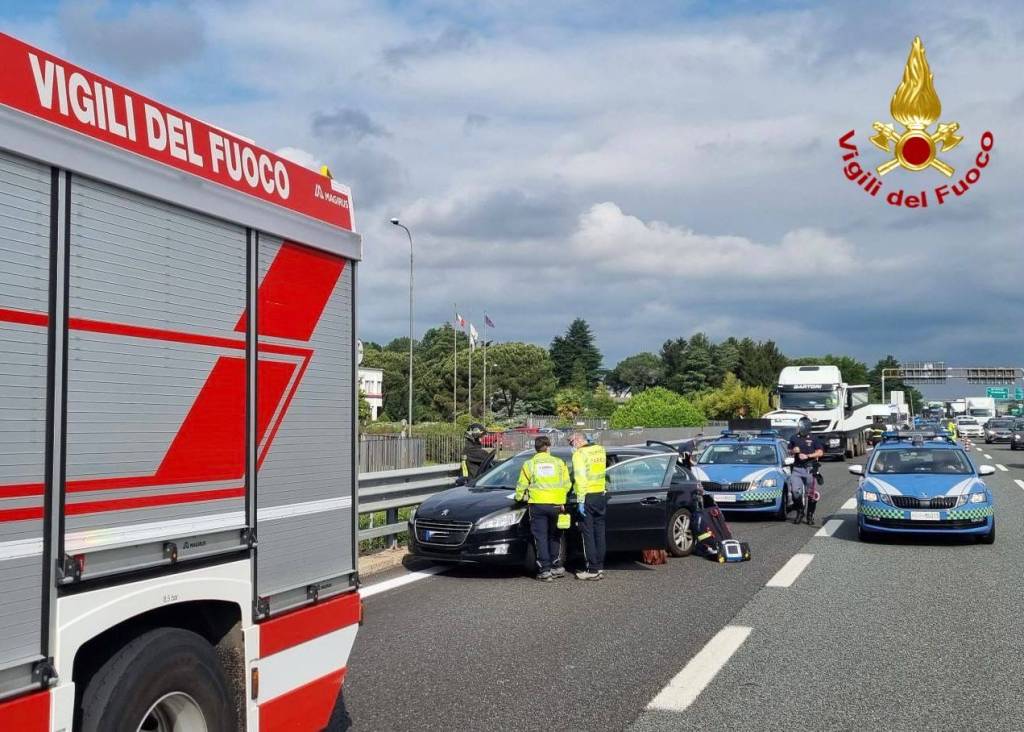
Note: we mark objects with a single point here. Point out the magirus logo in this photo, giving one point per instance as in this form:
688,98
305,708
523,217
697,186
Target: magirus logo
911,142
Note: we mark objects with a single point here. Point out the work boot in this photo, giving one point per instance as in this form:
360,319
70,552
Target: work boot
545,576
810,520
600,574
557,572
586,574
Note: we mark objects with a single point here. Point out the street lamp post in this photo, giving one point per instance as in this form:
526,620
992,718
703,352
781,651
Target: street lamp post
408,233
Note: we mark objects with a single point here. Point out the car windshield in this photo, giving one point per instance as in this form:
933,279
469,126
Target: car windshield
800,400
503,476
920,460
980,412
738,455
966,420
1000,423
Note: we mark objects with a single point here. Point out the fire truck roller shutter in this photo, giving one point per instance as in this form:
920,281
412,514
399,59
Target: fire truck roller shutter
156,374
304,483
25,189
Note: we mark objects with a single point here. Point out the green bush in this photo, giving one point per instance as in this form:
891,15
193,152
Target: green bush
657,407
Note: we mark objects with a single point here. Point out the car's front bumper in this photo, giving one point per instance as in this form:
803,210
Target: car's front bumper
756,501
501,547
998,438
973,518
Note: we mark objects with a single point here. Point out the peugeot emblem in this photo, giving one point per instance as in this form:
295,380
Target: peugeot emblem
444,512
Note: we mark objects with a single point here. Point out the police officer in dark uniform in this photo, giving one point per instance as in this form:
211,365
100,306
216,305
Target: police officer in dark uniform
475,457
806,449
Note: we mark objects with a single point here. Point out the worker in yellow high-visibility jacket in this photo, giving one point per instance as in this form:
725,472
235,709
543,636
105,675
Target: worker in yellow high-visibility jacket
544,484
589,463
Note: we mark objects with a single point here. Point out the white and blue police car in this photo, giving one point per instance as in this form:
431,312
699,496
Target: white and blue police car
925,484
745,473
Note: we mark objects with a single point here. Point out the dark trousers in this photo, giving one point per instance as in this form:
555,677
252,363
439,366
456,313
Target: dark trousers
547,538
595,507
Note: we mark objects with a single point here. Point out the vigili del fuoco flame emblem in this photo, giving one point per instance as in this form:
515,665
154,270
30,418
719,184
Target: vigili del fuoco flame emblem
916,106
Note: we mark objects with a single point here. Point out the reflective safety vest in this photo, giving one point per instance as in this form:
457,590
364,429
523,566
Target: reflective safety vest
588,468
951,426
543,478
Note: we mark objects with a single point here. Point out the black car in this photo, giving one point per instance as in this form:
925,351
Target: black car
999,429
650,495
1017,436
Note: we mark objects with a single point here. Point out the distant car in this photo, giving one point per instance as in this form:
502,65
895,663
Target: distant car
912,485
745,474
998,429
650,495
1017,435
969,427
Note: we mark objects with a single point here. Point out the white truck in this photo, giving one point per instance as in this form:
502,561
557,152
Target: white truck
981,408
177,417
839,412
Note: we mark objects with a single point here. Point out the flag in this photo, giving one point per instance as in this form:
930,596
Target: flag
488,322
473,335
460,320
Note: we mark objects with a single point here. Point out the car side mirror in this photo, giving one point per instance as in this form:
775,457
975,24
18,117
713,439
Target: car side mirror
986,470
856,469
460,481
789,460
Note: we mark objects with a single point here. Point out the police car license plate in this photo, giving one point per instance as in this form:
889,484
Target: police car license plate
725,497
924,515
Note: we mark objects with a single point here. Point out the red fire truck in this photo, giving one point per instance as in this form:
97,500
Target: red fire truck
177,417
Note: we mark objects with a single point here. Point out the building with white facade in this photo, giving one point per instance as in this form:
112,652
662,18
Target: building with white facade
371,383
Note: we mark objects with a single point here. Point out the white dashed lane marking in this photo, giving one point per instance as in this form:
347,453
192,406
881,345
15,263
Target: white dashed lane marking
790,571
988,457
405,579
1019,482
850,504
686,686
1003,468
830,527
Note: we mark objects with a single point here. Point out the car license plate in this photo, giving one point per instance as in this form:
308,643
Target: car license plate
924,515
725,497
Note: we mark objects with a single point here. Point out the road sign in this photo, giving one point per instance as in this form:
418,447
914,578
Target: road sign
999,392
1018,394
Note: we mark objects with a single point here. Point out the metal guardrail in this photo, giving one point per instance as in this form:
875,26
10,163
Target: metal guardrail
390,490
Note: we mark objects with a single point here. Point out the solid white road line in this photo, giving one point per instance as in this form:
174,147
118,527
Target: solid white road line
830,527
1003,468
790,571
686,686
850,504
988,457
1019,482
405,579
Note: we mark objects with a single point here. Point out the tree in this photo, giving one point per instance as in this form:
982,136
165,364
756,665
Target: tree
521,372
576,359
600,403
365,410
733,399
657,407
759,363
636,373
569,403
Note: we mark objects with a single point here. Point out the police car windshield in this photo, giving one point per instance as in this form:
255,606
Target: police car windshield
801,400
907,460
738,454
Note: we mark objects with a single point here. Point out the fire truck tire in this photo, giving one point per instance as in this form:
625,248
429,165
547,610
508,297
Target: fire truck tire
168,679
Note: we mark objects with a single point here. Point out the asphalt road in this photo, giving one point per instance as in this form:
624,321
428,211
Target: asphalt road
474,648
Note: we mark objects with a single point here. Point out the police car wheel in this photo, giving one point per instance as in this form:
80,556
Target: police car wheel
990,537
679,533
782,513
866,536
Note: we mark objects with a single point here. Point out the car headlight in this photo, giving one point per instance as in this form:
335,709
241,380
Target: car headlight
978,498
502,520
412,514
991,432
869,495
768,483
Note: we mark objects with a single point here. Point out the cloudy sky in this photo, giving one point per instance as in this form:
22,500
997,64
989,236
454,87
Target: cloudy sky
655,167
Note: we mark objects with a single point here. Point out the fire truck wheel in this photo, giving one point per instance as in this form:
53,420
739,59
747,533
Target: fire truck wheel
166,679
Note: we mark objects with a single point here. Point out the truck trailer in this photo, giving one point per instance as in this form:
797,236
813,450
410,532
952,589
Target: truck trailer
839,412
177,417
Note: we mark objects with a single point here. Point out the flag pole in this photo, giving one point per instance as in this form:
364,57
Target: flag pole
455,368
470,396
486,403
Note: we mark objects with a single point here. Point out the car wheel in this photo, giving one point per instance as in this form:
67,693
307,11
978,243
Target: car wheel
990,537
780,515
530,559
679,534
865,536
